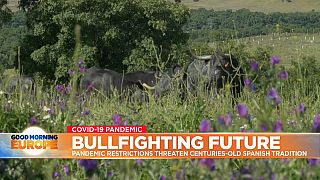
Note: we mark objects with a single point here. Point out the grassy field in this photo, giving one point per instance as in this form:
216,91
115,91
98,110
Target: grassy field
290,47
257,5
169,114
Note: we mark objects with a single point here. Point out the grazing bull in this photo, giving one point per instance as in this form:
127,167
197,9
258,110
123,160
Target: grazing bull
212,71
105,80
108,80
26,83
20,84
215,72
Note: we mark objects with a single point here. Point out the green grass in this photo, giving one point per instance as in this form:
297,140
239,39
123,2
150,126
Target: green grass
290,47
168,114
257,5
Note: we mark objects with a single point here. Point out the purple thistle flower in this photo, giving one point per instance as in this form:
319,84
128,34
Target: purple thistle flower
209,163
228,119
178,175
86,112
275,60
314,162
126,122
242,110
301,109
71,72
109,174
50,111
162,178
33,121
117,120
205,126
264,127
88,164
60,88
139,162
221,119
316,123
247,82
283,75
255,65
62,105
82,69
81,62
278,126
66,170
273,94
56,175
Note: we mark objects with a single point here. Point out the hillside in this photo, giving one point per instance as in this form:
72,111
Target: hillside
257,5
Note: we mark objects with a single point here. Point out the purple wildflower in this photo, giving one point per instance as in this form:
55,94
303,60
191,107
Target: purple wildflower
81,62
209,163
82,69
247,82
88,164
221,119
283,75
162,178
60,88
273,94
205,126
117,120
254,65
228,119
126,122
264,127
314,162
242,110
225,120
275,60
278,126
178,175
50,111
316,123
109,174
301,108
86,112
66,170
33,121
62,105
56,175
139,162
71,72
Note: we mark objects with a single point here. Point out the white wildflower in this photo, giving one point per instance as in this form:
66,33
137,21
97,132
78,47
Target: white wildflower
46,117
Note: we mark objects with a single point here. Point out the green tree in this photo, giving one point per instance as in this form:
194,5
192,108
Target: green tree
114,33
5,13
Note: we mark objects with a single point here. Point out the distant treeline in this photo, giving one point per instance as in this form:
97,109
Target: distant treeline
208,25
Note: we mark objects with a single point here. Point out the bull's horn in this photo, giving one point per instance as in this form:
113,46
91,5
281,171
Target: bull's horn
206,57
148,87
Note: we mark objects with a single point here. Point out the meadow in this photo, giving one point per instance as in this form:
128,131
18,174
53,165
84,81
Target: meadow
281,94
266,6
277,100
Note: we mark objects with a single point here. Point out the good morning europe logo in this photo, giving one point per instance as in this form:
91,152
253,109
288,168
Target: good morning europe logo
34,141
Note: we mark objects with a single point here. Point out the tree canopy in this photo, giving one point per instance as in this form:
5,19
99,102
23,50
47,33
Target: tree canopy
116,34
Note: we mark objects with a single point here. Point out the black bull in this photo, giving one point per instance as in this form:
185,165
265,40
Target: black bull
211,72
214,72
